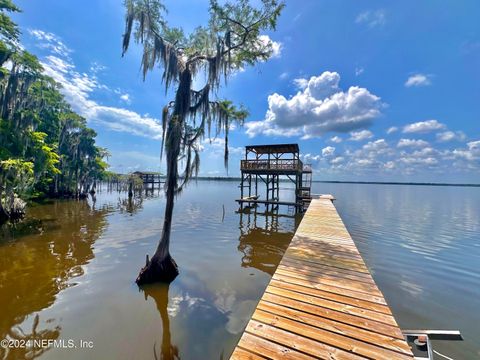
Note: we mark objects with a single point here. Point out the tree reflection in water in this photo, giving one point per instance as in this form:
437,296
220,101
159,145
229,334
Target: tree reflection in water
134,204
38,262
159,293
263,240
130,205
30,351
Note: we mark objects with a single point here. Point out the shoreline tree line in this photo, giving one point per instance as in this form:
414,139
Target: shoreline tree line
46,149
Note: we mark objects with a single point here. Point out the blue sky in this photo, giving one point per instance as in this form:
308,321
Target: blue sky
371,90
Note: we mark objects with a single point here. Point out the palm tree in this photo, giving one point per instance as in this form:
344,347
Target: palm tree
230,42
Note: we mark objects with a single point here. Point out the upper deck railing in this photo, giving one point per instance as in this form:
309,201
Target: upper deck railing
272,165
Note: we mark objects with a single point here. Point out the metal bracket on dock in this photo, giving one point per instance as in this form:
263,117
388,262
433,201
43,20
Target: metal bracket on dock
420,340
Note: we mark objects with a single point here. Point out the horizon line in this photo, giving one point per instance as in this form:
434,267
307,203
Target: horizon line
355,182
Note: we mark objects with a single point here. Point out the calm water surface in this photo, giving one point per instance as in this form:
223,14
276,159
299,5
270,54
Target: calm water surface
67,271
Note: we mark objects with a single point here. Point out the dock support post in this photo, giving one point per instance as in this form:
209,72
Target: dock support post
297,193
241,191
278,187
268,190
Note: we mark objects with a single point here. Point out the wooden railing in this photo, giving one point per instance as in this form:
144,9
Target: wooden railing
272,164
150,178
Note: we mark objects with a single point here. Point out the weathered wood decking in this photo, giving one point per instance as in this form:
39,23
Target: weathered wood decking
322,302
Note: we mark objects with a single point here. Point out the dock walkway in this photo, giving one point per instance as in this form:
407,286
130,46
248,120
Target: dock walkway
322,302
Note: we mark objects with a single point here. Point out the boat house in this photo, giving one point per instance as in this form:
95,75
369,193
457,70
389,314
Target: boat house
149,178
268,164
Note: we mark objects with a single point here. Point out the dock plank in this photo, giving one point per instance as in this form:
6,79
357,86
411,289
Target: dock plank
300,343
242,354
329,288
348,344
327,280
268,349
322,301
336,327
345,313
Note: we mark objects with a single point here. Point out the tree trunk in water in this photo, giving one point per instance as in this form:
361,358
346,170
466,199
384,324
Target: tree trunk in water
130,188
55,188
3,213
162,267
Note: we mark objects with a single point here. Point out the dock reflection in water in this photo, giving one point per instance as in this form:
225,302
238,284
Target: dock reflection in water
262,240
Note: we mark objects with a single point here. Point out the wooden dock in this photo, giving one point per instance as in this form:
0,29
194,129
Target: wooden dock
322,302
267,202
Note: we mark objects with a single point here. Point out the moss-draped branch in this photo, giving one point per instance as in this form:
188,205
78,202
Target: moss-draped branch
230,42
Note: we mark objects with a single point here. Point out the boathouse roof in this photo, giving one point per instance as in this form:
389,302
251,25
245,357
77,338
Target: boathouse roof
273,148
146,173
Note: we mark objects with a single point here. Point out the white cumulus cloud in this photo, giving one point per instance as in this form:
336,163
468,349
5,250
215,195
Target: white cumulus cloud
378,146
407,157
423,126
411,160
126,98
471,153
328,151
450,136
418,80
392,129
49,41
337,160
276,46
309,158
360,135
320,106
412,143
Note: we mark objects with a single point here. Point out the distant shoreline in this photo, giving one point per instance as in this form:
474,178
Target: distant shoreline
219,178
395,183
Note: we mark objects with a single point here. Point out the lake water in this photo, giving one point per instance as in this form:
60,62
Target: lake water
67,271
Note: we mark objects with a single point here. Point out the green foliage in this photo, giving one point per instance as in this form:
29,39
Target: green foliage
8,5
12,168
45,159
231,113
46,148
9,32
8,29
16,177
26,63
